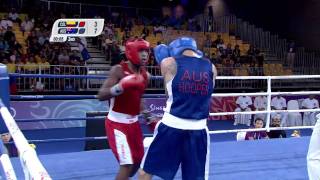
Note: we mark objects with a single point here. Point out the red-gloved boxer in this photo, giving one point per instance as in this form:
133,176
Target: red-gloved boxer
124,88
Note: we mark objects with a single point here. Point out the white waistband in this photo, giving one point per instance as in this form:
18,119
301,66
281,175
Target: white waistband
180,123
121,117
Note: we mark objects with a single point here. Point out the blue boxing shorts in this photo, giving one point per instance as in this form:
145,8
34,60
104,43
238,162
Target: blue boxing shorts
172,147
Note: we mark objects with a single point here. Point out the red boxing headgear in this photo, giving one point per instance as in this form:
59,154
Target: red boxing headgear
132,50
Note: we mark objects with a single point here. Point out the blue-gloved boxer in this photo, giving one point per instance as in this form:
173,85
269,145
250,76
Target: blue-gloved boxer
181,137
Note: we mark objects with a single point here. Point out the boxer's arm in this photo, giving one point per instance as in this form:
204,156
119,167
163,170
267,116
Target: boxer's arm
215,73
168,70
116,74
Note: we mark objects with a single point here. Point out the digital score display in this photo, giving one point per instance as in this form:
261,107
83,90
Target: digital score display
66,29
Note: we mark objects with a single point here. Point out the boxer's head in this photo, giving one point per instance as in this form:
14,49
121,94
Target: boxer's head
179,45
137,51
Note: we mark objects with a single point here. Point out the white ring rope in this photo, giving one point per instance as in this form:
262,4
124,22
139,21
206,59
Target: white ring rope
263,112
7,167
267,77
259,129
264,93
29,160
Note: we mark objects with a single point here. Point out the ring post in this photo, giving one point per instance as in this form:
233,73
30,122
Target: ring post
4,94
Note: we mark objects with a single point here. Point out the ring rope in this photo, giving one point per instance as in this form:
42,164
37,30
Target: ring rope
150,135
32,166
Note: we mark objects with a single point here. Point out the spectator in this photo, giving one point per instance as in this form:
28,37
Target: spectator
276,122
75,58
207,42
4,47
145,32
8,35
13,16
260,104
229,50
218,42
309,118
158,29
26,25
291,54
221,53
63,57
6,138
236,53
256,135
5,22
108,43
253,69
280,103
14,45
227,66
34,46
243,104
115,53
296,134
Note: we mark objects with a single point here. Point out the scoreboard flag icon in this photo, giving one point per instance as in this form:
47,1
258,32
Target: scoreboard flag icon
72,23
82,30
82,24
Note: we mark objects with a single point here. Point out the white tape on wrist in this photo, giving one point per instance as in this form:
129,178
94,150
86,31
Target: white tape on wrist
116,90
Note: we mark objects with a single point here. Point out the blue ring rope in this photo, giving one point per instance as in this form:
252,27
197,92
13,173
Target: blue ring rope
72,139
17,75
61,119
70,97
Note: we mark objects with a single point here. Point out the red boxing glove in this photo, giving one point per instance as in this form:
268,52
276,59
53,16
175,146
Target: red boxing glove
131,81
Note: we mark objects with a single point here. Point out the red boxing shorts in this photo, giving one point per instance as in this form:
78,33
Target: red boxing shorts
125,141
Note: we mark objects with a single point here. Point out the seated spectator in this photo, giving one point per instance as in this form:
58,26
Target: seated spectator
75,58
158,29
309,118
236,53
276,122
11,149
260,104
280,103
227,67
243,104
14,45
34,46
145,32
291,54
26,25
45,65
218,42
6,22
222,53
4,47
213,59
207,42
107,46
229,50
8,35
63,57
11,65
13,16
256,135
296,134
253,69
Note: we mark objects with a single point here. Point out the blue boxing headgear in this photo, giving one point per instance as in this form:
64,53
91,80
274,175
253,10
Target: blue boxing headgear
183,43
161,52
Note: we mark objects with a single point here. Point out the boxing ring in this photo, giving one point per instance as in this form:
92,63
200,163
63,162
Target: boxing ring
263,159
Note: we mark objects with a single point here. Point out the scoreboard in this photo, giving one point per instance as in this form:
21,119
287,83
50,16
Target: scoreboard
66,29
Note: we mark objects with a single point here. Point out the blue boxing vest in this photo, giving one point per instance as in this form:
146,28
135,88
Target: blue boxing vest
191,88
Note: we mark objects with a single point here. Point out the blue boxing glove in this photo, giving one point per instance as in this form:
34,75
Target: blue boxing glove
161,52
